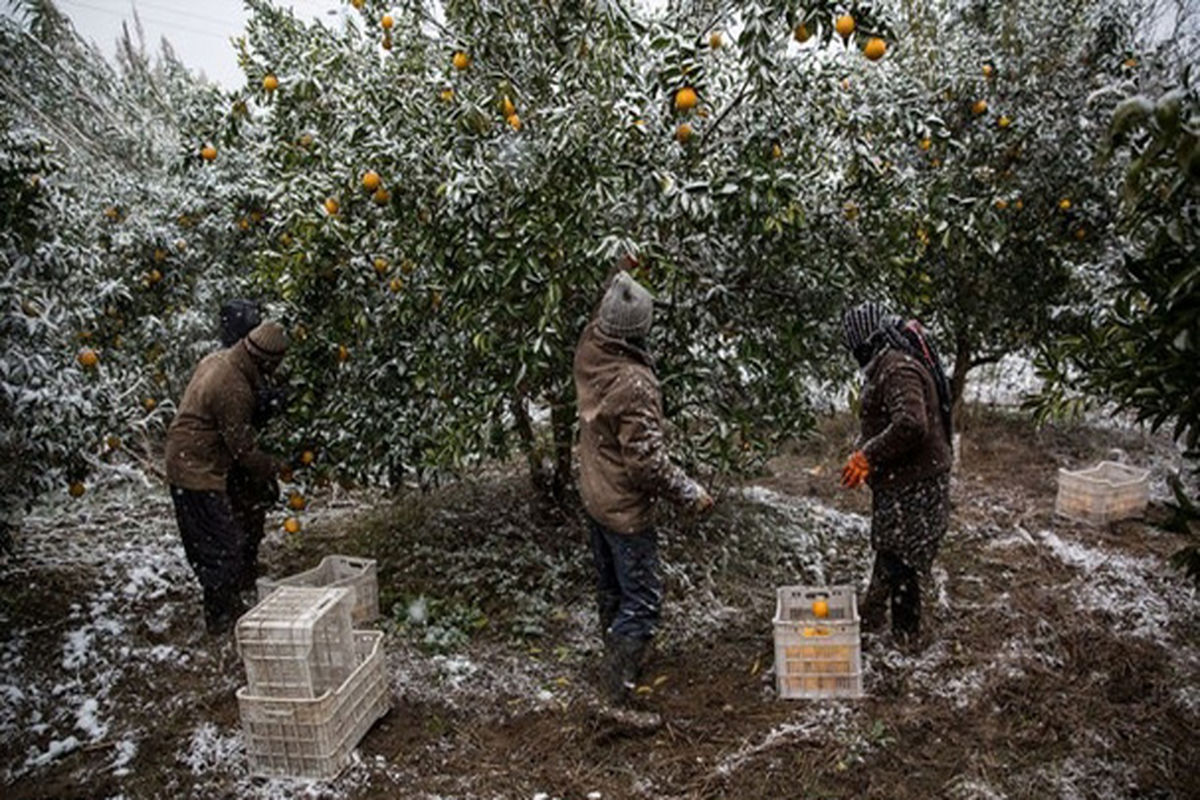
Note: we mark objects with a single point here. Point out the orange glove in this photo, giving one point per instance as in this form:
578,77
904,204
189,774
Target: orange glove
856,470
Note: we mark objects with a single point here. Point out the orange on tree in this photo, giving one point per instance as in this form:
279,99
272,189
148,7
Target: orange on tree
371,180
506,107
844,25
358,4
387,22
979,107
925,143
686,99
153,277
446,95
305,140
875,49
514,122
291,525
1019,204
149,403
1001,204
160,255
307,457
87,358
395,284
380,264
76,489
382,196
332,206
296,501
270,83
112,441
1004,121
1131,62
208,152
1080,234
343,353
987,70
776,151
461,60
1065,204
683,133
714,40
800,33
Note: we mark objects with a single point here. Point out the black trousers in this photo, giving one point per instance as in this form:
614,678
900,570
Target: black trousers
215,544
895,587
248,500
628,586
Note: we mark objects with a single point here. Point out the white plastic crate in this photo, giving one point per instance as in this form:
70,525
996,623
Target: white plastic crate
1104,493
348,572
298,642
815,656
314,737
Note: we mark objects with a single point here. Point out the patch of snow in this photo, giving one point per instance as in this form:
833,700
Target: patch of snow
56,750
88,721
209,749
123,754
826,723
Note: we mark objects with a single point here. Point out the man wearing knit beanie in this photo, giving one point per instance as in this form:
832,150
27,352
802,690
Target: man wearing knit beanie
624,470
210,434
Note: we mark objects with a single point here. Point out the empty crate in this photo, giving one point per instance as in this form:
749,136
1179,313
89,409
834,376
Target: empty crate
298,642
357,574
314,737
817,656
1102,494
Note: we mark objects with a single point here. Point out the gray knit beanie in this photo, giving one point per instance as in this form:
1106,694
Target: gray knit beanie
267,341
627,308
861,322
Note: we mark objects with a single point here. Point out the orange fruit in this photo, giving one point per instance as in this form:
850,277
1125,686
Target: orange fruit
937,162
343,353
76,489
160,255
776,151
514,122
980,107
87,358
149,403
801,34
291,525
683,133
875,49
332,206
686,99
461,61
1131,62
305,140
925,143
850,210
1065,203
270,83
208,152
820,609
407,266
1001,204
507,108
154,277
1004,121
381,265
296,501
112,441
1080,234
371,180
844,25
382,196
714,40
987,70
387,22
307,457
395,284
446,95
358,4
1019,204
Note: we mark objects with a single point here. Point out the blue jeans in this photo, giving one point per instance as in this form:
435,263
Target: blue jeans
628,587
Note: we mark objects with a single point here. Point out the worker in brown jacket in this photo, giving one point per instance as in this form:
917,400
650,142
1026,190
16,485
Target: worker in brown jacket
905,456
624,470
211,433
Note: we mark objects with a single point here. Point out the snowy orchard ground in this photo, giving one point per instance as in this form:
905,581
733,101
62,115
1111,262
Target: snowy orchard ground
1061,662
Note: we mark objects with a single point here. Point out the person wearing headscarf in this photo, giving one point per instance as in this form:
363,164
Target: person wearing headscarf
905,456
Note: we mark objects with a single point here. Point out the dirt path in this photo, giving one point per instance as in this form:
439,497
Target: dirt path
1061,661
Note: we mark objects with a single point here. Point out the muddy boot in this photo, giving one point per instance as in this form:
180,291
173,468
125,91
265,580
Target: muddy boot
874,606
625,656
222,608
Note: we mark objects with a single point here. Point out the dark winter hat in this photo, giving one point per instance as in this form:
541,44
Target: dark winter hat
268,341
238,318
862,321
627,308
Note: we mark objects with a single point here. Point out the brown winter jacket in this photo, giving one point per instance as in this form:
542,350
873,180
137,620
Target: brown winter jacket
623,463
211,430
902,433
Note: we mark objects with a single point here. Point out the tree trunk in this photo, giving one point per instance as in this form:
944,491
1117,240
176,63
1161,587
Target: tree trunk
538,474
562,422
958,379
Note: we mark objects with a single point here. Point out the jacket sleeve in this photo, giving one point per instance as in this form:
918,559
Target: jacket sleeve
233,414
904,399
644,449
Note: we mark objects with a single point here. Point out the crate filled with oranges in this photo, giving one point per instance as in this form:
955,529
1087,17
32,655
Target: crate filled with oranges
818,648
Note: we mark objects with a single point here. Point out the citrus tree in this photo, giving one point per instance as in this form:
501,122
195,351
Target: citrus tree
448,192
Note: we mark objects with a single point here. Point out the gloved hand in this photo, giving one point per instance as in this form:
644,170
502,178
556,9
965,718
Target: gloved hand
856,471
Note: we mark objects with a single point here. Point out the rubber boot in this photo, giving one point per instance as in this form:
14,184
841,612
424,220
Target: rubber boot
625,655
222,608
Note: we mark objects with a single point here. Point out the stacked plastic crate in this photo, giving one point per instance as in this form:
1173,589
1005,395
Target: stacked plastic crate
315,685
818,649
